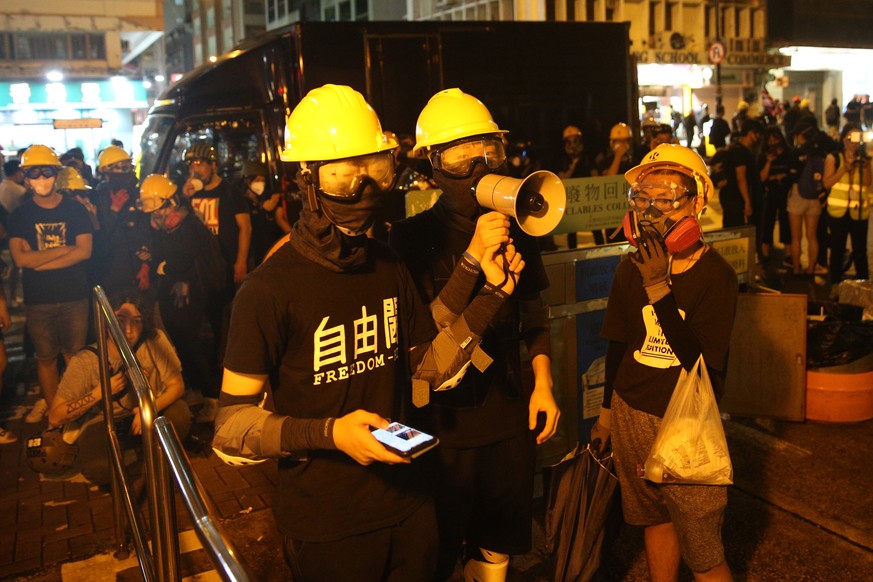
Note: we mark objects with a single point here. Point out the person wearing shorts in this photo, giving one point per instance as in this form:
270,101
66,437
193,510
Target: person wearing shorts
671,301
50,239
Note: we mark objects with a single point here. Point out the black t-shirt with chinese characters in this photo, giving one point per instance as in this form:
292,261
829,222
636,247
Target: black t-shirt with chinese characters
332,343
217,209
47,228
706,295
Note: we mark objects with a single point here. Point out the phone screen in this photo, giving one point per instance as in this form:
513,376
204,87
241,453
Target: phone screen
404,440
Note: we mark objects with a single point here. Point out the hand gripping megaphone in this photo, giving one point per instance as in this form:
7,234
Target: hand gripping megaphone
537,202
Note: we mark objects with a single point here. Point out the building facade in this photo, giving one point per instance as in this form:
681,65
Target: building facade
72,77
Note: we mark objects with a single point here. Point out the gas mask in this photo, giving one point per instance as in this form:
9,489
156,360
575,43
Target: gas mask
655,207
167,219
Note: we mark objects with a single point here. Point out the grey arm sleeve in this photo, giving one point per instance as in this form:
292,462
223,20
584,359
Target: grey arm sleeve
245,431
455,296
442,364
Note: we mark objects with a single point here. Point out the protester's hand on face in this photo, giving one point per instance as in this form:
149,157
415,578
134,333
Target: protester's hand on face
118,199
492,229
351,435
502,266
651,257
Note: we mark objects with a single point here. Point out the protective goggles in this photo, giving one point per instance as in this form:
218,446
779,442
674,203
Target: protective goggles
120,167
346,178
459,159
37,172
665,197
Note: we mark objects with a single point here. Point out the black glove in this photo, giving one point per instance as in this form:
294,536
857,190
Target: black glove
652,258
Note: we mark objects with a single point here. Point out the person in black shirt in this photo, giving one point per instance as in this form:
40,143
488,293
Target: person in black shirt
778,171
738,195
671,301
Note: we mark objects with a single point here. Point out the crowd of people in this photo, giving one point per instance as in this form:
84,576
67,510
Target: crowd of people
420,323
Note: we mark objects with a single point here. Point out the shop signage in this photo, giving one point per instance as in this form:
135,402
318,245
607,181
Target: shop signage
82,123
735,59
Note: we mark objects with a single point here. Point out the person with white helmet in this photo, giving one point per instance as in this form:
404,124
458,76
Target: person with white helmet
490,424
672,300
333,319
50,239
617,158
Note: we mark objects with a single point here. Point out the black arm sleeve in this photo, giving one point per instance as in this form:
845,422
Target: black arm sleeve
614,354
679,334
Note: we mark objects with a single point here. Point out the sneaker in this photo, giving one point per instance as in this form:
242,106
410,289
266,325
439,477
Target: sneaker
207,411
38,411
7,437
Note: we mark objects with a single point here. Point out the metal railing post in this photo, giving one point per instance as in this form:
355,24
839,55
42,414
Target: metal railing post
164,459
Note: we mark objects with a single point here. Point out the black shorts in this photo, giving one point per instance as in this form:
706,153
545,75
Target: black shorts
404,552
485,495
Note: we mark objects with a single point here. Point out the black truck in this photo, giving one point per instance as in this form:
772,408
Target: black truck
535,78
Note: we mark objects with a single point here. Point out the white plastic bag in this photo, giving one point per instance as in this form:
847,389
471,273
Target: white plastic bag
691,446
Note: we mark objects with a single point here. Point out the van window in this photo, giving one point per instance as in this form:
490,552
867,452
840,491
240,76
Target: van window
235,141
153,138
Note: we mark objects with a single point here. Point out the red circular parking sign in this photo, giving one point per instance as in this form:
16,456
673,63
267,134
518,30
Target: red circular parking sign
716,52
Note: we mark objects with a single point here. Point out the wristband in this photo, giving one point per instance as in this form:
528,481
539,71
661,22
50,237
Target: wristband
473,261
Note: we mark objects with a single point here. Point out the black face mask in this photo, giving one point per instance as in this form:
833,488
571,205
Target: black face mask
353,217
123,181
459,197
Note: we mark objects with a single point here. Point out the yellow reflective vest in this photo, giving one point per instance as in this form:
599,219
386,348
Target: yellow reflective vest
847,196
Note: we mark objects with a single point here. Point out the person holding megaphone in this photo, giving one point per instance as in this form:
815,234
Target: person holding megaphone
489,424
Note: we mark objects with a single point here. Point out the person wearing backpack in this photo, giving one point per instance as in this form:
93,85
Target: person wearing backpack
807,197
847,172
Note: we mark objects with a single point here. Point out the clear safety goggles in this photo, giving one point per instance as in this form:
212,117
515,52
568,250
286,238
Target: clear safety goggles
666,196
37,172
458,160
121,167
346,178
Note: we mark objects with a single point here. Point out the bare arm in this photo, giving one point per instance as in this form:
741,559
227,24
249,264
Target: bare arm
542,399
27,258
79,252
64,411
240,267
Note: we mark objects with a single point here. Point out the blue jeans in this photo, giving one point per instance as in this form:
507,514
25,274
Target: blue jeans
57,328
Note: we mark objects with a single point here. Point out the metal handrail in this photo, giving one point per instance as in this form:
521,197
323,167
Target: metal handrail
164,457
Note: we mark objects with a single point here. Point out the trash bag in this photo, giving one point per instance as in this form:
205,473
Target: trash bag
834,343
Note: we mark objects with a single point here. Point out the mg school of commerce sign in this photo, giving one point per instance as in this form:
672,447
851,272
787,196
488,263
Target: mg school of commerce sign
735,59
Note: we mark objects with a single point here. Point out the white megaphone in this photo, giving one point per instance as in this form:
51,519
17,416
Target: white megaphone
537,202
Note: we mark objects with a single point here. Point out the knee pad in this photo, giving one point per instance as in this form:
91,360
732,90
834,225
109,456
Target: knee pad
493,568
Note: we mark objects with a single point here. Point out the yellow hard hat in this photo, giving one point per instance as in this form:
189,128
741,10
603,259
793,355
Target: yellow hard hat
111,155
70,179
742,105
333,122
156,189
670,156
39,155
449,115
620,131
804,103
571,131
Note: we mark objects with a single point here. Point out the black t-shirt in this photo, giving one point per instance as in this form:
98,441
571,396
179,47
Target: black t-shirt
333,343
217,209
47,228
706,293
489,406
739,156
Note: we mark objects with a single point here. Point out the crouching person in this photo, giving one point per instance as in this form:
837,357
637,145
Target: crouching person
77,406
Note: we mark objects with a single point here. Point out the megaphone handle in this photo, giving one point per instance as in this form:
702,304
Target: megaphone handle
506,272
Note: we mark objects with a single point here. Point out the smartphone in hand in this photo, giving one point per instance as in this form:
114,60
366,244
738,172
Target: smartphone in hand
405,441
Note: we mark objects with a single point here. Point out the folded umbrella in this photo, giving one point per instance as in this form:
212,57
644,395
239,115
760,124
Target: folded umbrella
583,488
